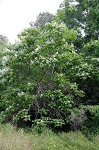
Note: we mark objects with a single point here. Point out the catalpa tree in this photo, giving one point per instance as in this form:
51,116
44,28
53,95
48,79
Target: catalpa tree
41,79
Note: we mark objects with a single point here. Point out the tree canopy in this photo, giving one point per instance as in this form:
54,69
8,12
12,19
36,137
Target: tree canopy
52,73
42,19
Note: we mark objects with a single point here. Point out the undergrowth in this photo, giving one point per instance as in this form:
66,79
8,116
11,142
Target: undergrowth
13,139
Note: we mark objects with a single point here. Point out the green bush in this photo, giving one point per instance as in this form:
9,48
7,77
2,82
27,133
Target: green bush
91,123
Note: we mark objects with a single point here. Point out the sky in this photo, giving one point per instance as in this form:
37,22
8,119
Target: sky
15,15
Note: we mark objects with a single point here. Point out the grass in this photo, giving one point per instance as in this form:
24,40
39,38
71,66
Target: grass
11,139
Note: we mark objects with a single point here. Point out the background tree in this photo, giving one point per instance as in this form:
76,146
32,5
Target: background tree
3,59
91,85
3,42
82,16
42,19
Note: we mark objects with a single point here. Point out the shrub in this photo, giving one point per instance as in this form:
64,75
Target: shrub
91,123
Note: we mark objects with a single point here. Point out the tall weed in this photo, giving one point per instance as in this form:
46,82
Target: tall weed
12,139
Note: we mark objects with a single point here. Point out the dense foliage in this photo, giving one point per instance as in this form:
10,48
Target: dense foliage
83,15
51,77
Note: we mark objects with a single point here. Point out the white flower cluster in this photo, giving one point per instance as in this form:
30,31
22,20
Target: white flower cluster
5,59
2,71
37,49
21,93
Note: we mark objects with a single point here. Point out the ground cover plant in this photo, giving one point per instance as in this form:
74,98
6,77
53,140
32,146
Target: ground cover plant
12,139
